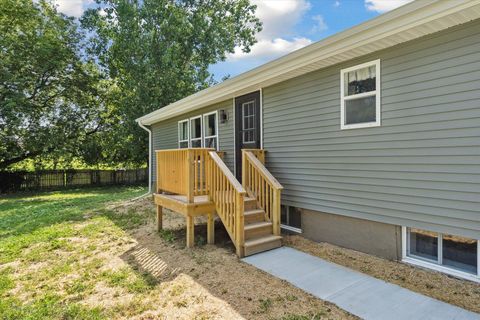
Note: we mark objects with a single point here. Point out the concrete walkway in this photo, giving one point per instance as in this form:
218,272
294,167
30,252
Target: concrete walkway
355,292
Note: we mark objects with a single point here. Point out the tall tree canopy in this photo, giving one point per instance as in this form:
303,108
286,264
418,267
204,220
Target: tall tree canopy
156,52
48,95
72,89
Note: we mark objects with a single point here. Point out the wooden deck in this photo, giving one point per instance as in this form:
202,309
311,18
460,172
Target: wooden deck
200,206
196,182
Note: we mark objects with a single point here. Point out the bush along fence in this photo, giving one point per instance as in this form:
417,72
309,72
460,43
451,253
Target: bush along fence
58,179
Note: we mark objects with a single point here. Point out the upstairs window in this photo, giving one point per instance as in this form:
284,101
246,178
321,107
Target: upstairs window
183,134
210,121
360,96
196,132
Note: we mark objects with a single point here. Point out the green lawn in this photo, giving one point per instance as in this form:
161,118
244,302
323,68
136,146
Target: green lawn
49,245
92,254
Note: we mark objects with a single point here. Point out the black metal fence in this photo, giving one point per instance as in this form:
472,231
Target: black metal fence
59,179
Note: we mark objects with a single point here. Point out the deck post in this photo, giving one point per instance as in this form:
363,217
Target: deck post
190,176
211,229
276,212
159,218
190,231
239,225
244,168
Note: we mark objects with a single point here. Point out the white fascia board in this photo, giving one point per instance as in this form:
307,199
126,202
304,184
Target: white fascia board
406,19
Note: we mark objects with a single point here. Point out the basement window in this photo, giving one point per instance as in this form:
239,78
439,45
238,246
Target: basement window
360,96
291,218
210,126
183,134
196,132
444,252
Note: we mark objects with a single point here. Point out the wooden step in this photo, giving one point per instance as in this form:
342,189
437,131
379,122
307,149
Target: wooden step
258,229
262,244
255,215
250,203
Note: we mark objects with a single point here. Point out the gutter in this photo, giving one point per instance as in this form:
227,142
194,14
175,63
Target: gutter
149,157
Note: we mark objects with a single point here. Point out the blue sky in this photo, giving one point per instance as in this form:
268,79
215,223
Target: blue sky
288,25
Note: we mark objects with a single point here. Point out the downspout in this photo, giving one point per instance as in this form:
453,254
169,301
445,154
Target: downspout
149,156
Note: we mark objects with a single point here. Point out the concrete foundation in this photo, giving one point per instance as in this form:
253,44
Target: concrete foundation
379,239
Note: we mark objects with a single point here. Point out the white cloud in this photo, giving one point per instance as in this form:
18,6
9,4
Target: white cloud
320,24
384,5
72,7
267,48
336,4
279,18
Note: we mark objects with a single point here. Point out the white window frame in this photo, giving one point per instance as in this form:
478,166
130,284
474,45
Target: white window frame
188,133
376,92
205,128
438,267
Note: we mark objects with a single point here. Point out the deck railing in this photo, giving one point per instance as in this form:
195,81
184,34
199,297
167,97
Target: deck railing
259,153
182,171
260,183
228,195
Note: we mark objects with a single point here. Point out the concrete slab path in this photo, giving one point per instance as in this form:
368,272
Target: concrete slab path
355,292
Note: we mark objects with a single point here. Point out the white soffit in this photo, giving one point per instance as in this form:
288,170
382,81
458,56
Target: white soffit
414,20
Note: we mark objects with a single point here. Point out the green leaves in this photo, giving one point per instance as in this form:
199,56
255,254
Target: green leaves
157,52
48,94
71,89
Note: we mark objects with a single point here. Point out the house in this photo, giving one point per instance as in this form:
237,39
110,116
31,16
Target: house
371,136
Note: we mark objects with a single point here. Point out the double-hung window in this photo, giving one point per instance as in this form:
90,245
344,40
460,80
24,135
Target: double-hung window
196,132
210,126
360,96
183,134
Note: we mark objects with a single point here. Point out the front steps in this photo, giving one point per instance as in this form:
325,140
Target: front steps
258,231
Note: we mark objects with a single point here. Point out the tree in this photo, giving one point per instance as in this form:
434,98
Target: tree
49,96
156,52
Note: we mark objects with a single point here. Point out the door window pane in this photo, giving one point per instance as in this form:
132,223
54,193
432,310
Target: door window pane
423,244
460,253
360,110
248,121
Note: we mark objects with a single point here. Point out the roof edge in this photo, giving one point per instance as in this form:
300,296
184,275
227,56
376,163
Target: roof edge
412,15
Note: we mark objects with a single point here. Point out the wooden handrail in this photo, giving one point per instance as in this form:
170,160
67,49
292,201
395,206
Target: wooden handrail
228,196
229,175
260,183
259,153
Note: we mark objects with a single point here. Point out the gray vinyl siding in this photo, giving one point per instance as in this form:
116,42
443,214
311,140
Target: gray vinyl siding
165,133
420,168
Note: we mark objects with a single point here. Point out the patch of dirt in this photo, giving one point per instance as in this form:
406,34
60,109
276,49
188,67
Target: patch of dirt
209,281
462,293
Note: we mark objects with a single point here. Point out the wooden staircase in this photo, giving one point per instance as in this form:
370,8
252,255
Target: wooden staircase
259,235
203,185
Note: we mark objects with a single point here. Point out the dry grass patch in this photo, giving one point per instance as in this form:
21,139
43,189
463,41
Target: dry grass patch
80,256
462,293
